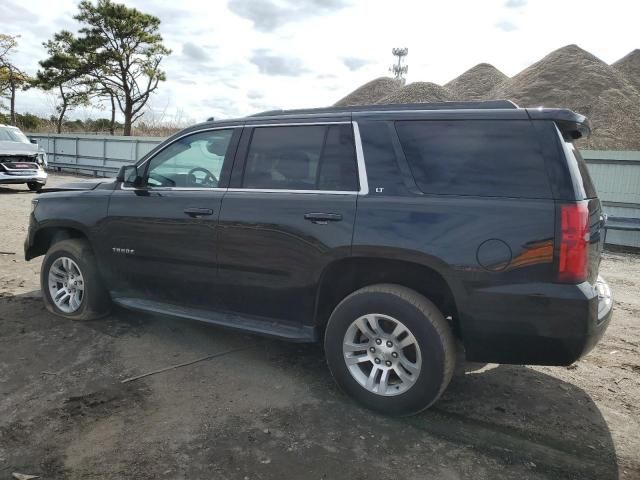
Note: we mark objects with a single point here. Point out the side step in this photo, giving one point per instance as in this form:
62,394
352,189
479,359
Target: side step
257,325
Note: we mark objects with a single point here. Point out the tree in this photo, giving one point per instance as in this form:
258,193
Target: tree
65,72
11,77
124,48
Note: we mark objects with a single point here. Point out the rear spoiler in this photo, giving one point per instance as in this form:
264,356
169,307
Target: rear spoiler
571,124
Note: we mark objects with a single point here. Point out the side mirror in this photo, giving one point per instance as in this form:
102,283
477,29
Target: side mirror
33,140
128,175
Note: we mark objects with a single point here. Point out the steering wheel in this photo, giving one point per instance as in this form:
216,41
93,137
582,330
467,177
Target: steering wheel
209,179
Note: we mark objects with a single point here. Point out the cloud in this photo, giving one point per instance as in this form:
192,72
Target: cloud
506,26
13,13
271,64
255,95
194,52
354,63
268,15
515,3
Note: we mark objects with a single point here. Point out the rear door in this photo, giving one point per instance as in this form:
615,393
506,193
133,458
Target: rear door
160,239
289,213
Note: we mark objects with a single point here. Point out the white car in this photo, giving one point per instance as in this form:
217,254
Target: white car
20,160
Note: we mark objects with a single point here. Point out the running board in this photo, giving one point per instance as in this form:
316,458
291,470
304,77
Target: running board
257,325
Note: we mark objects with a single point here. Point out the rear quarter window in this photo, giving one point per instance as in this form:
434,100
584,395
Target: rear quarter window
491,158
583,185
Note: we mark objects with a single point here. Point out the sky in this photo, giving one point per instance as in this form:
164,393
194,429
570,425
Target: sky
232,58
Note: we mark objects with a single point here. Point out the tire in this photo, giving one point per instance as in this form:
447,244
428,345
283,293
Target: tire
431,346
35,186
94,302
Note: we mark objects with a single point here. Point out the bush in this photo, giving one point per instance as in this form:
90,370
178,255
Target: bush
28,121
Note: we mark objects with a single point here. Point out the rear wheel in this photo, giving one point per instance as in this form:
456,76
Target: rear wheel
390,348
70,282
35,186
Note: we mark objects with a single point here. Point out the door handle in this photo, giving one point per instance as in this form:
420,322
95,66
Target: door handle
198,212
322,218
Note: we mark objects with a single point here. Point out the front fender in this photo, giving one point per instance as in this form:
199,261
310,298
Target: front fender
65,215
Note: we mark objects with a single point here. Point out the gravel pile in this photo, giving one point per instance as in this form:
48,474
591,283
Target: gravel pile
569,77
476,83
573,78
418,92
629,65
370,92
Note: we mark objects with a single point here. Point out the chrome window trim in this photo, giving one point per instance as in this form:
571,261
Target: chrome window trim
170,189
296,124
362,171
277,190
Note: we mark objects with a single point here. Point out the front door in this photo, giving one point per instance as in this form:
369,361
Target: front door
160,238
290,215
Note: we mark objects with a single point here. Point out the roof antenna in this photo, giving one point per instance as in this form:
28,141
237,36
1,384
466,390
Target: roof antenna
399,70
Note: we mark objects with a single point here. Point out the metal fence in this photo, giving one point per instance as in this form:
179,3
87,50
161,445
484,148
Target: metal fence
93,154
615,173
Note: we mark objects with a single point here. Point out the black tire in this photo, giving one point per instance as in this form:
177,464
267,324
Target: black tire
95,302
35,186
427,324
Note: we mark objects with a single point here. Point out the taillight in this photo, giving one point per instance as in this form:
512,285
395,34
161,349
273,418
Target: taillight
574,242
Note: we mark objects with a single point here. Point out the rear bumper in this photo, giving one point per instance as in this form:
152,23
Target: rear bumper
537,324
29,176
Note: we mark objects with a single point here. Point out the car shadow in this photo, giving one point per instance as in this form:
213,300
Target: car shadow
512,412
7,190
518,415
521,413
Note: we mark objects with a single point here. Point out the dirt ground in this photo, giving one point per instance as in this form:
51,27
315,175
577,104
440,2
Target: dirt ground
271,409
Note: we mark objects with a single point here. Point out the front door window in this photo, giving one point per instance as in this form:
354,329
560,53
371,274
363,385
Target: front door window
194,161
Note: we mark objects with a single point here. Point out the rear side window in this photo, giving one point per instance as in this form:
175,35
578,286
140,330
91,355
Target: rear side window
481,157
582,179
314,157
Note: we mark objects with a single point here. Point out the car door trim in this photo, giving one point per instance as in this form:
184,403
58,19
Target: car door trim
362,171
155,154
362,168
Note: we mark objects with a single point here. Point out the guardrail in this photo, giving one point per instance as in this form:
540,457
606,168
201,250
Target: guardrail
615,173
93,154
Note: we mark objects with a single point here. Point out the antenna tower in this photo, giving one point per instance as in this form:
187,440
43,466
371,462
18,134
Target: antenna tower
398,69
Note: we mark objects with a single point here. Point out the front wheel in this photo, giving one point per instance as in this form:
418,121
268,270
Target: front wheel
70,282
35,186
390,348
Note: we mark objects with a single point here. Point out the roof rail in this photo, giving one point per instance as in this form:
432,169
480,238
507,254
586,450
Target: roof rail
485,105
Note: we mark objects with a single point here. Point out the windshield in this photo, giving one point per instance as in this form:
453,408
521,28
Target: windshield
12,135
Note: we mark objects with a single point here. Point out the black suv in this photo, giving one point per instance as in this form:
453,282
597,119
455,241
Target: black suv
385,231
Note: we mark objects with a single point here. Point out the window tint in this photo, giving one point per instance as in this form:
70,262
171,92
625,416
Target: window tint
481,157
314,157
194,161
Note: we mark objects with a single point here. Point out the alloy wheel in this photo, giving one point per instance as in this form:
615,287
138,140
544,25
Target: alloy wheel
66,284
382,354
